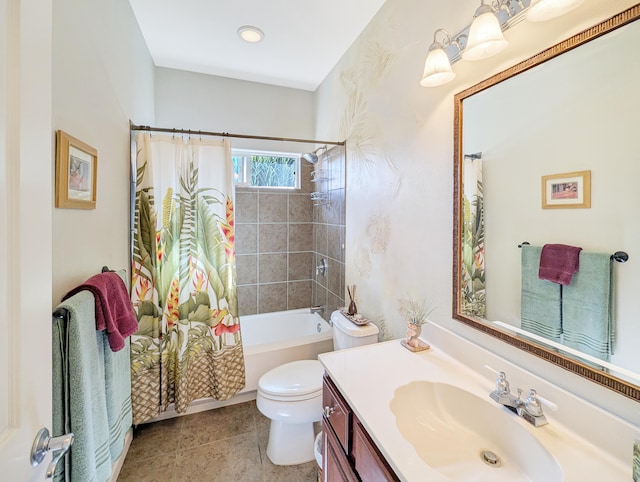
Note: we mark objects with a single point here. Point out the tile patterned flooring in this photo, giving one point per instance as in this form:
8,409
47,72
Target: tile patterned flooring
226,444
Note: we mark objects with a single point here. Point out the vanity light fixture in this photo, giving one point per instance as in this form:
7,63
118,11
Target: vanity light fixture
541,10
250,34
484,37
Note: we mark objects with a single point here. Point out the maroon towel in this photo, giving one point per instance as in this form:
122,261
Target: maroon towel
113,307
558,263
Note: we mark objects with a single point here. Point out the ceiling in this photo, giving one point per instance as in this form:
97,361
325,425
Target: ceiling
303,40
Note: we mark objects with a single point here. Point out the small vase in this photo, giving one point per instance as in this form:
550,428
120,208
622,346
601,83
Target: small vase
413,334
412,339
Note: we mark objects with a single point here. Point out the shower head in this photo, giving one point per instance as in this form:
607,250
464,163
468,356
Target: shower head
312,157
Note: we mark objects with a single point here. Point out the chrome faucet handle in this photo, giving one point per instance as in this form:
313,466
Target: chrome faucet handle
532,411
533,405
502,385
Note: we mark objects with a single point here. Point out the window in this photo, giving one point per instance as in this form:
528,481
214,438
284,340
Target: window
266,169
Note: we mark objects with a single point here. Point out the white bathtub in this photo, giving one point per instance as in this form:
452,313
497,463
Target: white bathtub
271,339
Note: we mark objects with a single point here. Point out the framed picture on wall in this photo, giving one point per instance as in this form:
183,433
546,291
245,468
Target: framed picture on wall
76,173
566,190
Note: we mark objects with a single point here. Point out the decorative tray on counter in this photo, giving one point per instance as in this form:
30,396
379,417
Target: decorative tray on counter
360,320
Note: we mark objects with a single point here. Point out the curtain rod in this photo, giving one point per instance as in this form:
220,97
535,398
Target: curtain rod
133,127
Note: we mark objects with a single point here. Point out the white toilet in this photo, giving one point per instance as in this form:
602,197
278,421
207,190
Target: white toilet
291,396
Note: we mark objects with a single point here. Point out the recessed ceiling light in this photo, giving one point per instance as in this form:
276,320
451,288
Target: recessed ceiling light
250,34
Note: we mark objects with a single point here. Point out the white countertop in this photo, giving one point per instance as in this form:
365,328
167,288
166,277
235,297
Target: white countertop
368,377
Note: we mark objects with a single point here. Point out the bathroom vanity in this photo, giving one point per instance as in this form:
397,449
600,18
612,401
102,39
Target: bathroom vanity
395,415
349,454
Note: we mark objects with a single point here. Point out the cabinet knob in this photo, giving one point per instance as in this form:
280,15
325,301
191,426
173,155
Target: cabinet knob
328,411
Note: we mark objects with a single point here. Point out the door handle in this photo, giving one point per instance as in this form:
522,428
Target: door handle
44,443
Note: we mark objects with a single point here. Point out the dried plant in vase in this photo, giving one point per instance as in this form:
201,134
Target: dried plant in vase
414,312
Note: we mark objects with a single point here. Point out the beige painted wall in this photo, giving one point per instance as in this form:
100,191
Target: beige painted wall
400,151
102,78
188,100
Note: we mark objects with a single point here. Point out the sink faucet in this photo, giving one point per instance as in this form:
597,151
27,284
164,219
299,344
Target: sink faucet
317,309
529,409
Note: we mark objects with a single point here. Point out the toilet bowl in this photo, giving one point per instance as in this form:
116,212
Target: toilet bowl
291,396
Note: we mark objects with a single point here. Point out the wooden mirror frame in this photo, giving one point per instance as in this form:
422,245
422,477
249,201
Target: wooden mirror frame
616,384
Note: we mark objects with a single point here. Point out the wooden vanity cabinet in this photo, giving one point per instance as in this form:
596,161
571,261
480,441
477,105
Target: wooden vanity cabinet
349,454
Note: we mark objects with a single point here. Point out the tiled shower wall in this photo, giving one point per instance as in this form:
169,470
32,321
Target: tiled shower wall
329,231
281,236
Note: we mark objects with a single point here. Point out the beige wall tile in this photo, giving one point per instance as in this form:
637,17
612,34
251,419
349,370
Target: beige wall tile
272,238
299,294
248,300
300,237
272,268
246,207
247,269
272,207
272,297
300,266
246,238
300,208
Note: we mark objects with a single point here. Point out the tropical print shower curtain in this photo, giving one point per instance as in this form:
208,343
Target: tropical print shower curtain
473,268
188,344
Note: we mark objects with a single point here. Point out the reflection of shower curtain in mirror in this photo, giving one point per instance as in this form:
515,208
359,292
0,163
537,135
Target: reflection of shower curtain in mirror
188,344
473,283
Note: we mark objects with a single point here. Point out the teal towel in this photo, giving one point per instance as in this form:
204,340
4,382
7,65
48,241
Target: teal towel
587,307
118,394
540,303
118,389
79,395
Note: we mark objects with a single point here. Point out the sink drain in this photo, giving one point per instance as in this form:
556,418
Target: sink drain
490,458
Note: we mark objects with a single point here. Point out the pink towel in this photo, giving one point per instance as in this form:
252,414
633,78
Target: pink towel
558,263
113,307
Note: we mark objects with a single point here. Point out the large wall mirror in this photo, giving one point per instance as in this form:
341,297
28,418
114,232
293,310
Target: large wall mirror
573,108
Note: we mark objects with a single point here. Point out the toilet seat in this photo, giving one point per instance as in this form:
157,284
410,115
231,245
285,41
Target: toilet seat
295,381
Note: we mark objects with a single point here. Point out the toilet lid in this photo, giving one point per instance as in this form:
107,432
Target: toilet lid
302,377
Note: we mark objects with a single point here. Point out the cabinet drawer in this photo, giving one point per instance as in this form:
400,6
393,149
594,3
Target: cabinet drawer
369,462
336,413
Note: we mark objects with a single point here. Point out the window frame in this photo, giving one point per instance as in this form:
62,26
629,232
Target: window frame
244,168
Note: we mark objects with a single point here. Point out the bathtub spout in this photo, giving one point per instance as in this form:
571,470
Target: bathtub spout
317,309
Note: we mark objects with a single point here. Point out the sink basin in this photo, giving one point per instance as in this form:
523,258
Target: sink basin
465,437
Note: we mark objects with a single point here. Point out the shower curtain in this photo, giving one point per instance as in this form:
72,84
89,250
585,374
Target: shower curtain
473,268
188,344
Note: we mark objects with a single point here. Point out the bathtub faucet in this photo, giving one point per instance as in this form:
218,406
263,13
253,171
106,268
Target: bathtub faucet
317,309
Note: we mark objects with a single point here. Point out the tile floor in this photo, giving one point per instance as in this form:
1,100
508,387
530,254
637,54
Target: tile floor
226,444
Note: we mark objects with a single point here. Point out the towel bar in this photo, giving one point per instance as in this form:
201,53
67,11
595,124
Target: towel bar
619,256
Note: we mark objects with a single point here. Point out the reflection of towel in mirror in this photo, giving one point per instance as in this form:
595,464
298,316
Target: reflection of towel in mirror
588,309
558,263
540,300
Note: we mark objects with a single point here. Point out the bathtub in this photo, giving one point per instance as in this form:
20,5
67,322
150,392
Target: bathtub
271,339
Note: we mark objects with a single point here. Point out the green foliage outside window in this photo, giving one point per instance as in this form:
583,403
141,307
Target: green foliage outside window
267,171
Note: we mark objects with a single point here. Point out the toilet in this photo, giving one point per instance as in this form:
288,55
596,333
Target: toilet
291,396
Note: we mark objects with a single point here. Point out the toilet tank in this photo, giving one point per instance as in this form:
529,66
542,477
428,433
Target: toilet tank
347,334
